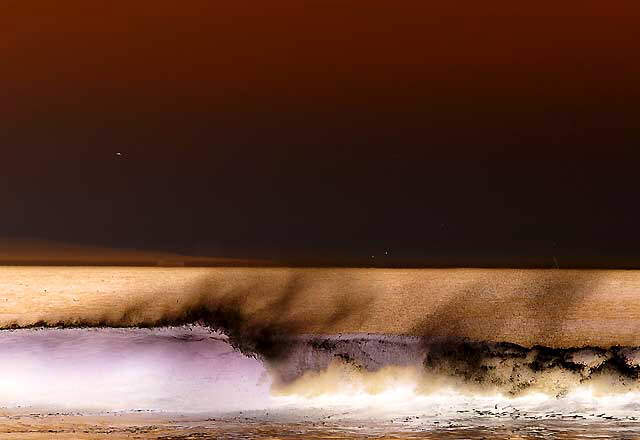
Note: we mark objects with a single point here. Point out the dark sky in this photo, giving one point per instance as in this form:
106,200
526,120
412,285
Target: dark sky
447,132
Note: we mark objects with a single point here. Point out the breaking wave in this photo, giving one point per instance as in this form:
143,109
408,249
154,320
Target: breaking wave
196,369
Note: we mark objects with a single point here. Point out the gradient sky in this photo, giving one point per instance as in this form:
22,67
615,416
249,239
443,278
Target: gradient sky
440,130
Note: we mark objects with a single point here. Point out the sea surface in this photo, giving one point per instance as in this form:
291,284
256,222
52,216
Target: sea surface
190,383
250,426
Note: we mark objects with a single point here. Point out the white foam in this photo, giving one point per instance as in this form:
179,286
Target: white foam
190,369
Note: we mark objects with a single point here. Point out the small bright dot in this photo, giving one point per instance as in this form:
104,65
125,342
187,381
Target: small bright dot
118,154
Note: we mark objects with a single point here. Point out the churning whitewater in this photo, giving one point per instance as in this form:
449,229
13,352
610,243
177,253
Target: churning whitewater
194,369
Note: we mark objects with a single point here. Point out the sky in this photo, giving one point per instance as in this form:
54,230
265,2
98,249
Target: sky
441,132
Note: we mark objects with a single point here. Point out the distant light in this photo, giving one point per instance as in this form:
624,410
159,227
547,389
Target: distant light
119,154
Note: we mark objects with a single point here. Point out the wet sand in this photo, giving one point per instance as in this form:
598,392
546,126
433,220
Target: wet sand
555,308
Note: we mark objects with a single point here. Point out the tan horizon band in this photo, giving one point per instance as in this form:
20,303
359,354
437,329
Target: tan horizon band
555,308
